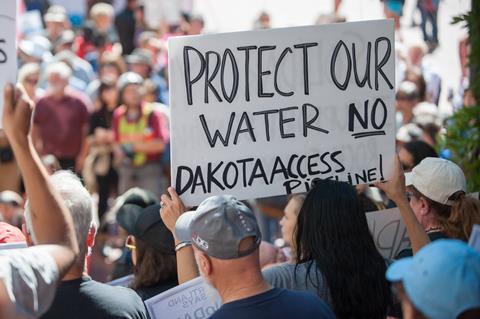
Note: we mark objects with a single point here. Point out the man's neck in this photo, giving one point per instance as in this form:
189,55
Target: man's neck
75,272
241,286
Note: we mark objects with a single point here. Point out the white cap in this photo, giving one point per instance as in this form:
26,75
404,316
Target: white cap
437,179
425,113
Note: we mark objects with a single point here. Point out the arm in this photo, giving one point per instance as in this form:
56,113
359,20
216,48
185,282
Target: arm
151,147
85,148
172,208
51,220
395,190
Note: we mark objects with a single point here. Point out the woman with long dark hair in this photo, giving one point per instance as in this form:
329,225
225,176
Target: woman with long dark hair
99,172
336,257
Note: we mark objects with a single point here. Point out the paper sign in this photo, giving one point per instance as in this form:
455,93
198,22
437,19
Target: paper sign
263,113
17,245
191,300
8,55
388,231
122,281
474,240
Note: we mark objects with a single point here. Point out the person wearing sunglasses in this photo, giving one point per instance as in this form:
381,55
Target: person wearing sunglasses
152,248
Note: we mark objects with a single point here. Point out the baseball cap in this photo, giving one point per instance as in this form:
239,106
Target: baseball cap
10,234
56,13
11,198
442,280
218,226
129,78
425,113
437,178
140,56
145,224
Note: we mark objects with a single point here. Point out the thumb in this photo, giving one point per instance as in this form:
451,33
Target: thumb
8,97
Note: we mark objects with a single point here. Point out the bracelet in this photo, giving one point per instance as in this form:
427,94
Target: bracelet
181,245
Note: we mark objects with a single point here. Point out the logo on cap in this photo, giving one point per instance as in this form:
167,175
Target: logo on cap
200,242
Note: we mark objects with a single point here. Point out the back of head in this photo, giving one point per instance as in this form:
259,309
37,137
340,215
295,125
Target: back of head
332,231
79,203
419,150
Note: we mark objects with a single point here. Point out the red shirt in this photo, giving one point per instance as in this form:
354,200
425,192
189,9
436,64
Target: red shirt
61,125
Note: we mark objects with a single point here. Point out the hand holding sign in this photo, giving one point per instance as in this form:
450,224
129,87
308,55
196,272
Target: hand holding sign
17,114
395,187
171,209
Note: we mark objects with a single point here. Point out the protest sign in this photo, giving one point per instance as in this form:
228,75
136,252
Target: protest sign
263,113
191,300
388,231
8,54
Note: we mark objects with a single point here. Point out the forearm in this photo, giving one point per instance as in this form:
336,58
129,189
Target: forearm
150,147
418,236
51,220
186,264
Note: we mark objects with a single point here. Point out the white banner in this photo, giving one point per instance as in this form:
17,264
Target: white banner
388,231
191,300
263,113
8,53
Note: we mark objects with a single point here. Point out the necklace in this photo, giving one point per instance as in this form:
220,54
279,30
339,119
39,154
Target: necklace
434,229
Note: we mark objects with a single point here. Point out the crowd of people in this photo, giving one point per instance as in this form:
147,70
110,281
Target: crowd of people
84,184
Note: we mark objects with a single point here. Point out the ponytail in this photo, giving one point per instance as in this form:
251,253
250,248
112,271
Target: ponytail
465,213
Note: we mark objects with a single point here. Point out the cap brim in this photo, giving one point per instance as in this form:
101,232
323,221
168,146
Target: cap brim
127,216
409,178
399,269
183,226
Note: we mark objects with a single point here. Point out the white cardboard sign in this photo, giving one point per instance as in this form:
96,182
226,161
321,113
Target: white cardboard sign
263,113
8,54
388,231
191,300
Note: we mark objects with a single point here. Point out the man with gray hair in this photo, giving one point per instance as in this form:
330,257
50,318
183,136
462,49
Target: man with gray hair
78,295
61,119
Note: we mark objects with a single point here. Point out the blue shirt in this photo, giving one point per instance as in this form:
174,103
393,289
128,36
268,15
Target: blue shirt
276,303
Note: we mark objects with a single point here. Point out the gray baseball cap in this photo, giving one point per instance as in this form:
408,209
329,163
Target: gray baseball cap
218,226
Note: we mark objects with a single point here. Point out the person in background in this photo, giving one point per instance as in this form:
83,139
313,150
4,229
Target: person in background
441,281
11,208
406,97
288,223
101,140
141,136
56,21
334,254
263,21
111,66
412,153
125,24
61,120
28,277
141,62
152,247
78,296
435,191
10,234
225,237
196,25
429,12
28,76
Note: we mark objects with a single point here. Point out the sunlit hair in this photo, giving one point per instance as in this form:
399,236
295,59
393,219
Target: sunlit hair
26,70
59,68
79,203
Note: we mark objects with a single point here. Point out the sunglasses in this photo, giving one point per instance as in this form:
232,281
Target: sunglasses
129,243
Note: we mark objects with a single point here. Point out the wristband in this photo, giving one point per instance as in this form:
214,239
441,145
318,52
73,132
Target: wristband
182,245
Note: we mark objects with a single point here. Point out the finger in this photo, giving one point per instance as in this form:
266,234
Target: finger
166,200
8,98
174,195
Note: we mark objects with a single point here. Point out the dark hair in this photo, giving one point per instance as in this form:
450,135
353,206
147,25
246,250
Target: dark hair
153,266
105,84
332,231
419,150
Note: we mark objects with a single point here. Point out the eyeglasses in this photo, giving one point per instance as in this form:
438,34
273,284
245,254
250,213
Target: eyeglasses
129,243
